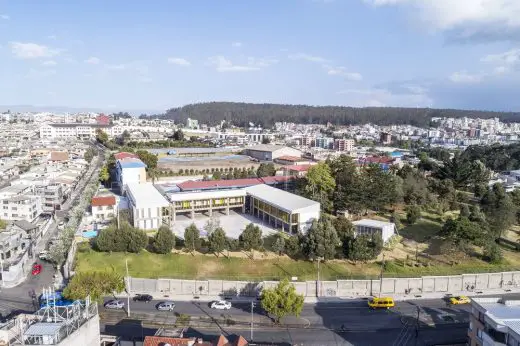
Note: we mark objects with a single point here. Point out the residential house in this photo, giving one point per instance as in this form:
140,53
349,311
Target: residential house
104,208
14,245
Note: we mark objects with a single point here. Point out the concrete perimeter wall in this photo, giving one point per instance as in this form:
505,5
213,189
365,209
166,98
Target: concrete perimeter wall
340,288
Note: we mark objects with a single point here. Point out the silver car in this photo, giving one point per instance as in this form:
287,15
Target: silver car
114,304
221,305
166,306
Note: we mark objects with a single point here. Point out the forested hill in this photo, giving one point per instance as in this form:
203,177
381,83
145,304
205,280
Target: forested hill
241,114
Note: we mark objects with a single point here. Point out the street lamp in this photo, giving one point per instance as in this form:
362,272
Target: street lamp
318,289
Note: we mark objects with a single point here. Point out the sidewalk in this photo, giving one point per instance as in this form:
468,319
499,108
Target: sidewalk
316,300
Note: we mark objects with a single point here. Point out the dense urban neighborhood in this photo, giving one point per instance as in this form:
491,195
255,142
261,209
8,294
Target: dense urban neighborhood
126,231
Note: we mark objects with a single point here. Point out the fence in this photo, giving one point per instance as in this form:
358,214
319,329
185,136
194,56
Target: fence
339,288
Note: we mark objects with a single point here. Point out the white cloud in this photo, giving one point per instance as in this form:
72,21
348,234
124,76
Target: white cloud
93,60
465,77
511,57
179,61
49,63
488,19
236,44
32,50
118,67
342,71
307,57
223,64
4,17
381,97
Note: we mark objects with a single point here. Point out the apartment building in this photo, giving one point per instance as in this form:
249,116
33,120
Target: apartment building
130,170
344,144
494,321
14,246
77,130
149,209
52,195
18,202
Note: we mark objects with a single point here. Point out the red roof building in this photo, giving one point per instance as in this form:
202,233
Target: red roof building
61,156
103,119
125,155
230,184
101,201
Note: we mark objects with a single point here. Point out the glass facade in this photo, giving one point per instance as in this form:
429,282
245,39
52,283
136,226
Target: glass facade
275,217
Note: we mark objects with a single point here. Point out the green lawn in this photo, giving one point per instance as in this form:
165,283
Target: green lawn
421,231
149,265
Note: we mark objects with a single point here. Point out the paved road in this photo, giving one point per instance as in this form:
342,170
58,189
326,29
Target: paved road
348,323
339,323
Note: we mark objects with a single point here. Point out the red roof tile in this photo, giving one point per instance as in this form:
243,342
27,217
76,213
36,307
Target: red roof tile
162,340
299,168
276,179
103,201
214,184
241,341
125,155
221,341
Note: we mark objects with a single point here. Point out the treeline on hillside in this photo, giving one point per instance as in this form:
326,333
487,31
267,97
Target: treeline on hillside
496,157
240,114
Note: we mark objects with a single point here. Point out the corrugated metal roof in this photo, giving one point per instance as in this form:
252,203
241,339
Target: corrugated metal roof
43,328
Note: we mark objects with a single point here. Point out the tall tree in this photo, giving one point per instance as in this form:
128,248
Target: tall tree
265,170
282,300
101,136
89,154
178,135
96,284
348,193
217,241
319,185
251,238
191,238
164,240
499,210
321,240
104,175
149,159
279,244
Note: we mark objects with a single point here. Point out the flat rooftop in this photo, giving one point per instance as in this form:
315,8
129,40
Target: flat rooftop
371,223
188,196
280,198
146,195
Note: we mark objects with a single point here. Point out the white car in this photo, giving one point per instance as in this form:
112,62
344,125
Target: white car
221,305
166,306
114,304
44,255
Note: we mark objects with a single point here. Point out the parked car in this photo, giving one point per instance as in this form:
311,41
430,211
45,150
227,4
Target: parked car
458,300
114,304
143,298
44,255
165,306
36,269
221,305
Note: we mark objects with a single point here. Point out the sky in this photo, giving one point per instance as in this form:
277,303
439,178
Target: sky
157,54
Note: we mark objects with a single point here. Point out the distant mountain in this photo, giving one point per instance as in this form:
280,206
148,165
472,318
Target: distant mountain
241,114
65,109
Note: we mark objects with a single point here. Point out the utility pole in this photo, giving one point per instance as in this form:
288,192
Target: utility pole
2,265
381,276
127,289
318,289
252,307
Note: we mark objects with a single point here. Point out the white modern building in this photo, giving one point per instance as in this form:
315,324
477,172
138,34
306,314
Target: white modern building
149,209
494,321
77,130
281,209
18,202
130,170
370,227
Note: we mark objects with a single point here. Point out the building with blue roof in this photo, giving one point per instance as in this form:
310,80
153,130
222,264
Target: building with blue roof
129,170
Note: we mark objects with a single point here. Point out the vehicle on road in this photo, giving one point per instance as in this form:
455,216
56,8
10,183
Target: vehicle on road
458,300
36,269
114,304
166,306
381,302
44,255
221,305
143,298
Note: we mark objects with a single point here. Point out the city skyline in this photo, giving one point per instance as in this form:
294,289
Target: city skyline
357,53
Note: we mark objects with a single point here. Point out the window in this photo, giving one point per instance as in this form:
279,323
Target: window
479,333
470,325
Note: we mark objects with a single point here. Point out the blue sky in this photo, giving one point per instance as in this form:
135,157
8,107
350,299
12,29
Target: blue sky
163,53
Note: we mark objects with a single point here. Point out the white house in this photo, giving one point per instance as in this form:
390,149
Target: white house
369,227
149,209
130,170
104,208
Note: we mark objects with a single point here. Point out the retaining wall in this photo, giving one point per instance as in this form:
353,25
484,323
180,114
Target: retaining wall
340,288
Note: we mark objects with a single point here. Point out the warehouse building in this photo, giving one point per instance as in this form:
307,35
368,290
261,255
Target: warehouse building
269,152
371,227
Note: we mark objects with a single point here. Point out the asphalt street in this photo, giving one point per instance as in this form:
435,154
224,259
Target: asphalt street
338,323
